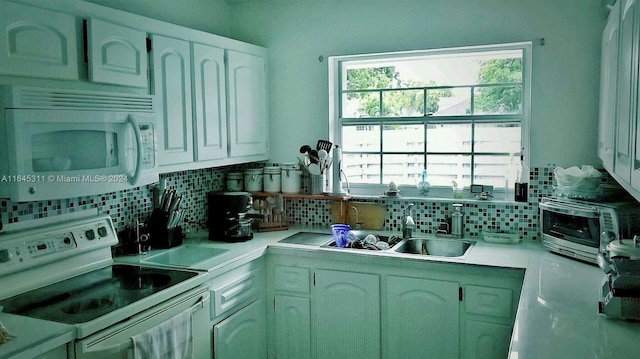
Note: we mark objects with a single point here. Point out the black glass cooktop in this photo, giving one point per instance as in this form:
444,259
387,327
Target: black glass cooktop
88,296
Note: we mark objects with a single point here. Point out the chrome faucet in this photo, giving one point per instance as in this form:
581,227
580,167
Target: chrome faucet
358,224
407,222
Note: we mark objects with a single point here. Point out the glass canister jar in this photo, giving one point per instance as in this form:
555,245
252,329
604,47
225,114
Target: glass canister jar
271,181
235,181
253,179
291,178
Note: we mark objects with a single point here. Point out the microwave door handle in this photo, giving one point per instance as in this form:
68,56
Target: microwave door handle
570,210
136,130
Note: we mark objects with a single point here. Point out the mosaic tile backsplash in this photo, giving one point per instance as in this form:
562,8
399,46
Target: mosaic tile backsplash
125,207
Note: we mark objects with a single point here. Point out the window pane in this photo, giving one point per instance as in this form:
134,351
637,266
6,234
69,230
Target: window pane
401,169
497,100
449,137
403,138
442,169
500,67
360,104
498,137
490,170
363,168
361,138
405,103
449,102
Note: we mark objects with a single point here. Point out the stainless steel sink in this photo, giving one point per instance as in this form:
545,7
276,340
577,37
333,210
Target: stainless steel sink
436,247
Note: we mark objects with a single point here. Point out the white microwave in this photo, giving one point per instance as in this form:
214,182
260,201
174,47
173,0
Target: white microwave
64,143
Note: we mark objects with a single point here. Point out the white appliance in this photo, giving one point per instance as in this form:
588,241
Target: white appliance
574,228
65,273
68,143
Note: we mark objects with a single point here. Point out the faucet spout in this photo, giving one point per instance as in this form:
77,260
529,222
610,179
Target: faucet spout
407,222
358,224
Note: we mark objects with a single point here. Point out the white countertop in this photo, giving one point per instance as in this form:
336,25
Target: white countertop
557,314
558,311
33,337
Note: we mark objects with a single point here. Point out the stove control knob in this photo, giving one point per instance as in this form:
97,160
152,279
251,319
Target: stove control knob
90,234
102,231
5,255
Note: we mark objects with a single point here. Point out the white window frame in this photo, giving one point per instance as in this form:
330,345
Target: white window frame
334,63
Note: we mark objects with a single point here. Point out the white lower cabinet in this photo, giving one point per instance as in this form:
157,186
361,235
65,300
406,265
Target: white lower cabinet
238,312
396,311
347,307
242,335
422,318
292,327
489,313
484,340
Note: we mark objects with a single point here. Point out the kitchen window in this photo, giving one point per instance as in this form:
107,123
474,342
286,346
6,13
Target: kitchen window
460,114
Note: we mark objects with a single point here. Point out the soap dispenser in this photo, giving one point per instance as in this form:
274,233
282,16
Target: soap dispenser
457,221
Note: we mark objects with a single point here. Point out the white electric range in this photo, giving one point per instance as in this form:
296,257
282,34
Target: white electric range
64,273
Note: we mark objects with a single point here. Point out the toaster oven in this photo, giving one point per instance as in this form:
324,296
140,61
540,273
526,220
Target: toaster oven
573,228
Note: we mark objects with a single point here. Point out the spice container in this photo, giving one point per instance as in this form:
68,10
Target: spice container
291,178
253,179
271,179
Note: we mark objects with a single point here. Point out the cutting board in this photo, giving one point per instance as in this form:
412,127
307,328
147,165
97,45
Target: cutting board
371,215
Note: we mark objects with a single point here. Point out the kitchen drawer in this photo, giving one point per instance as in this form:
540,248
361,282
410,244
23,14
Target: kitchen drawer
236,288
292,279
495,302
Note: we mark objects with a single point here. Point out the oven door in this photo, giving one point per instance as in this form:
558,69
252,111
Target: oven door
116,342
571,229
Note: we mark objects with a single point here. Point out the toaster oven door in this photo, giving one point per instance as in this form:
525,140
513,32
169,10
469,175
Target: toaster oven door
574,224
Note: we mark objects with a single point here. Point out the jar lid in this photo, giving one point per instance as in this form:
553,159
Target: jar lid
272,169
234,175
290,166
253,171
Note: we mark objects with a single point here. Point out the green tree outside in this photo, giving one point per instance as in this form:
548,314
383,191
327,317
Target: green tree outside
500,99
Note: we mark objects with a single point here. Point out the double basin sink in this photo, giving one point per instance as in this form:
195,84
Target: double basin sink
425,246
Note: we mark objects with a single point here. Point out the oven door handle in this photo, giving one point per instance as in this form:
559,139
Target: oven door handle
570,210
200,303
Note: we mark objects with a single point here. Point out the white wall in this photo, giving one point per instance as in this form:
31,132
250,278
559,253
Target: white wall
565,70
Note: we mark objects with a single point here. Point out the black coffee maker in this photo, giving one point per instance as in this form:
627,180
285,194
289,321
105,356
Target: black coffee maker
227,211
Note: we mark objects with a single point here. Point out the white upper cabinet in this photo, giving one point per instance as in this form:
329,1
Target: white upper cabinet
171,63
608,86
117,55
210,103
248,132
37,43
627,87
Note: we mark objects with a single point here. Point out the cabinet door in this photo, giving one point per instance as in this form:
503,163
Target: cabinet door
116,54
347,312
243,334
210,113
37,43
247,92
485,340
608,85
422,318
293,327
172,87
627,76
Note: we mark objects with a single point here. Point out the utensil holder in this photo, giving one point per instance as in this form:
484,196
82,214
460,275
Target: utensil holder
317,184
